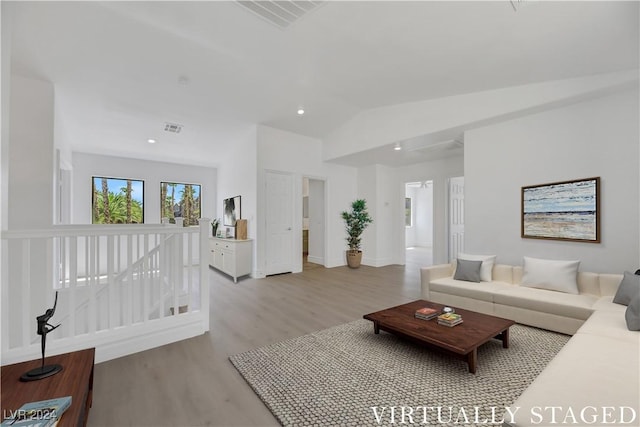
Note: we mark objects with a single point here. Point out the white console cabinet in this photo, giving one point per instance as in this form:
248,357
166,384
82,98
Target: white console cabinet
231,256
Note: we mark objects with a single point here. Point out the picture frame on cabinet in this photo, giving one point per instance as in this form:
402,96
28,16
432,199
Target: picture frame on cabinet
232,210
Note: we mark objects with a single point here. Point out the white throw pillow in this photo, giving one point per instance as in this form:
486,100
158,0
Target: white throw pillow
487,264
549,274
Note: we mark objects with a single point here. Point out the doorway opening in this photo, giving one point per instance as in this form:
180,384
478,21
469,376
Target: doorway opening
313,223
418,210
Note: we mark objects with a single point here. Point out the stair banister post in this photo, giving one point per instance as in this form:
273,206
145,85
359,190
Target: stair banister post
204,271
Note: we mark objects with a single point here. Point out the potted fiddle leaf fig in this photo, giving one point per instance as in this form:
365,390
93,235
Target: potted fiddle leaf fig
355,222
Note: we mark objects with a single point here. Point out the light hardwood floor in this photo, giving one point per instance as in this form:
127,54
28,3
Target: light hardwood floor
192,383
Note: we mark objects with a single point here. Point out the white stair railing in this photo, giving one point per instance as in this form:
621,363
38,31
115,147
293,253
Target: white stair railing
121,288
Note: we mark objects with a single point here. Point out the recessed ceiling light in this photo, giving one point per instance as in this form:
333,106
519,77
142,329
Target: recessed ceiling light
397,147
151,141
300,111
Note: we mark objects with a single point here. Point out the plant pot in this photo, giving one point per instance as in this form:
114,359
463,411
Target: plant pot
354,258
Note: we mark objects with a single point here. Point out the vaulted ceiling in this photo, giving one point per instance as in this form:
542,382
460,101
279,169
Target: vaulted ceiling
121,70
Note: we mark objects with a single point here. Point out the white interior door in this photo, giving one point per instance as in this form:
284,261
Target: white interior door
456,216
279,222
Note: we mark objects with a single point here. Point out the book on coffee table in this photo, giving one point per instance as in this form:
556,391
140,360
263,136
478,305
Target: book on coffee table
449,324
449,319
426,313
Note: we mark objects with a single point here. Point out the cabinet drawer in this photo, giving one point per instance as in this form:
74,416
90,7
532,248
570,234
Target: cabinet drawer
225,246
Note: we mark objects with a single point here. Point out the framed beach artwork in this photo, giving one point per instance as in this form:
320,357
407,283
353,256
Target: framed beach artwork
568,210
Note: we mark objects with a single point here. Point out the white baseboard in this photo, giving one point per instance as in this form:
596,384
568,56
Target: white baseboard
135,343
336,262
377,262
111,344
315,259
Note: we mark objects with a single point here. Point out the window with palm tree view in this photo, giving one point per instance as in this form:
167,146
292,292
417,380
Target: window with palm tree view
180,200
117,201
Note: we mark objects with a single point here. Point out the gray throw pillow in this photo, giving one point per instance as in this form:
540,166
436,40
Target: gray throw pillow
632,315
629,287
468,270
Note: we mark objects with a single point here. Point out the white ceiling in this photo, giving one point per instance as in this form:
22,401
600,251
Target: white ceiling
117,66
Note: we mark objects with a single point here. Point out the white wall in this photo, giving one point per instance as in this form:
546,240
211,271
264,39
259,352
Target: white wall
424,217
302,156
368,190
29,184
5,85
378,186
5,90
381,186
388,212
316,221
444,118
31,154
237,176
599,137
85,166
384,241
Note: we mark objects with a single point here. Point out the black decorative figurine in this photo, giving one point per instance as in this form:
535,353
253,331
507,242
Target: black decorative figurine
43,329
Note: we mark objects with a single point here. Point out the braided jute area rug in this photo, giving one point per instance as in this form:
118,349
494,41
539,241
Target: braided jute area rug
348,376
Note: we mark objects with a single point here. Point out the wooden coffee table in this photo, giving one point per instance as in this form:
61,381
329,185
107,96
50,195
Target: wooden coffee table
461,340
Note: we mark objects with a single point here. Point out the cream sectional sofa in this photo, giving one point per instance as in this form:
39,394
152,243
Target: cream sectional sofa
595,378
504,297
592,381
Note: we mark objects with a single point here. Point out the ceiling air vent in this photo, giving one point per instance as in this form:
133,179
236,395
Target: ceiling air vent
172,127
280,13
452,144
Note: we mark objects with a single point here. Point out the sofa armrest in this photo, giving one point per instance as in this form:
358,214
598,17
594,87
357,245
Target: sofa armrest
433,272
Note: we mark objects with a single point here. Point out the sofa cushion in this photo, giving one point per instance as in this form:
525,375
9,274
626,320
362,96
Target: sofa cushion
628,289
502,273
606,304
487,264
517,274
544,301
553,275
588,283
589,371
468,270
481,291
632,314
609,323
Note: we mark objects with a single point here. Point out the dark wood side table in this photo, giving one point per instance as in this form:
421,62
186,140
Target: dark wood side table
76,380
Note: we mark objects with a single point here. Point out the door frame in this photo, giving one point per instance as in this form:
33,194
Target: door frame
325,211
433,216
261,231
